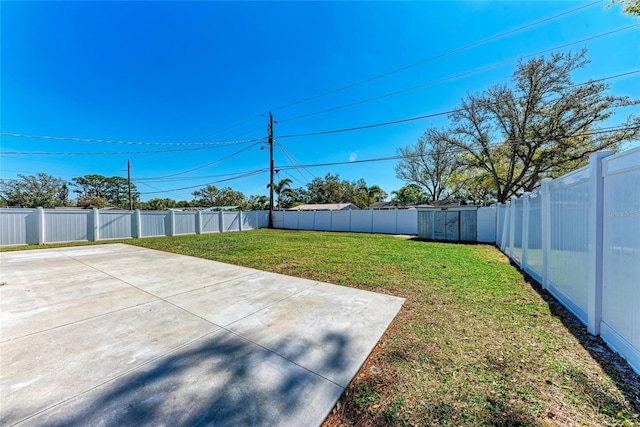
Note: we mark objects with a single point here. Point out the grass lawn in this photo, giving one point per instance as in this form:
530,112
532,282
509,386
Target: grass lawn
474,344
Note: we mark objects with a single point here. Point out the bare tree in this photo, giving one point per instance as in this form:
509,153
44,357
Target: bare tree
542,127
432,163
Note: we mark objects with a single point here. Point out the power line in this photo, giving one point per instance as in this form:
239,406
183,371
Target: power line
456,76
172,179
295,162
388,158
426,116
98,153
462,150
405,67
206,164
106,141
245,175
460,49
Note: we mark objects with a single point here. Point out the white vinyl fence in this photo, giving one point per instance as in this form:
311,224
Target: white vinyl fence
394,221
38,226
579,236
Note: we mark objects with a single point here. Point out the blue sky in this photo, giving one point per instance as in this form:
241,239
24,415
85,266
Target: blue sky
187,72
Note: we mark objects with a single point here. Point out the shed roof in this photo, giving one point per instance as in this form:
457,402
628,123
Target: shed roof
325,207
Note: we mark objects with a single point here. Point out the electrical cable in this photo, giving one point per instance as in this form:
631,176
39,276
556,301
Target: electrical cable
106,141
206,164
460,49
426,116
463,150
210,183
456,76
406,67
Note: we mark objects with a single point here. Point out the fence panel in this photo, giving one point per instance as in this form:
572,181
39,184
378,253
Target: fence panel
306,220
66,225
385,221
407,221
505,245
231,221
115,225
251,220
210,222
323,221
340,220
185,223
534,236
486,223
620,326
518,213
361,221
290,220
16,227
153,223
568,260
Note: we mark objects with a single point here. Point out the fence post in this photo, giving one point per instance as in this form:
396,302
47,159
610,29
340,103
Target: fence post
512,225
172,223
524,259
137,224
350,220
198,222
594,283
239,220
221,220
95,232
41,230
545,213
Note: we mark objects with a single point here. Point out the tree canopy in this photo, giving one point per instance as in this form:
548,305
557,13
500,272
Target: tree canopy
508,137
30,191
99,191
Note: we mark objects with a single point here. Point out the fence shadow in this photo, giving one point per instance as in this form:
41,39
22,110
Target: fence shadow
616,368
220,380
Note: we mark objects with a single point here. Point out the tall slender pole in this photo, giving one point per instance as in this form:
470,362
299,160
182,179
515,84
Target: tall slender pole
270,170
129,183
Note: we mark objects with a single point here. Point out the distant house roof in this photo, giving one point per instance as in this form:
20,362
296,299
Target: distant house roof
382,205
325,207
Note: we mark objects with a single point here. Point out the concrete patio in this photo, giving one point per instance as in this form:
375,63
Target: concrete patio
122,335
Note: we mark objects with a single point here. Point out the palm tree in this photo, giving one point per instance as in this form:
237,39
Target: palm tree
282,188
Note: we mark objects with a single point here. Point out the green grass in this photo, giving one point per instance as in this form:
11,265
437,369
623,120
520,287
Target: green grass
474,344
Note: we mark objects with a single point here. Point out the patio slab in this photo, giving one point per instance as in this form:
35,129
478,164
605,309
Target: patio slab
122,335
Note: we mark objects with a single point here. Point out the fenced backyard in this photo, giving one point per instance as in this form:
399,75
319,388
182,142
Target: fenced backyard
578,236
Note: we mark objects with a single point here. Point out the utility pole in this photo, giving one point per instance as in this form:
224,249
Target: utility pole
270,170
129,182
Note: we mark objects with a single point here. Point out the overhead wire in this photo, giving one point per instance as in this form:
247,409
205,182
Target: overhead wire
453,77
257,172
460,49
409,66
285,168
426,116
462,150
208,163
107,141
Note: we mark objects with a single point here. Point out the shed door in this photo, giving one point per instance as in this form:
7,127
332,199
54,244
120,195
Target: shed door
453,226
439,225
468,225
